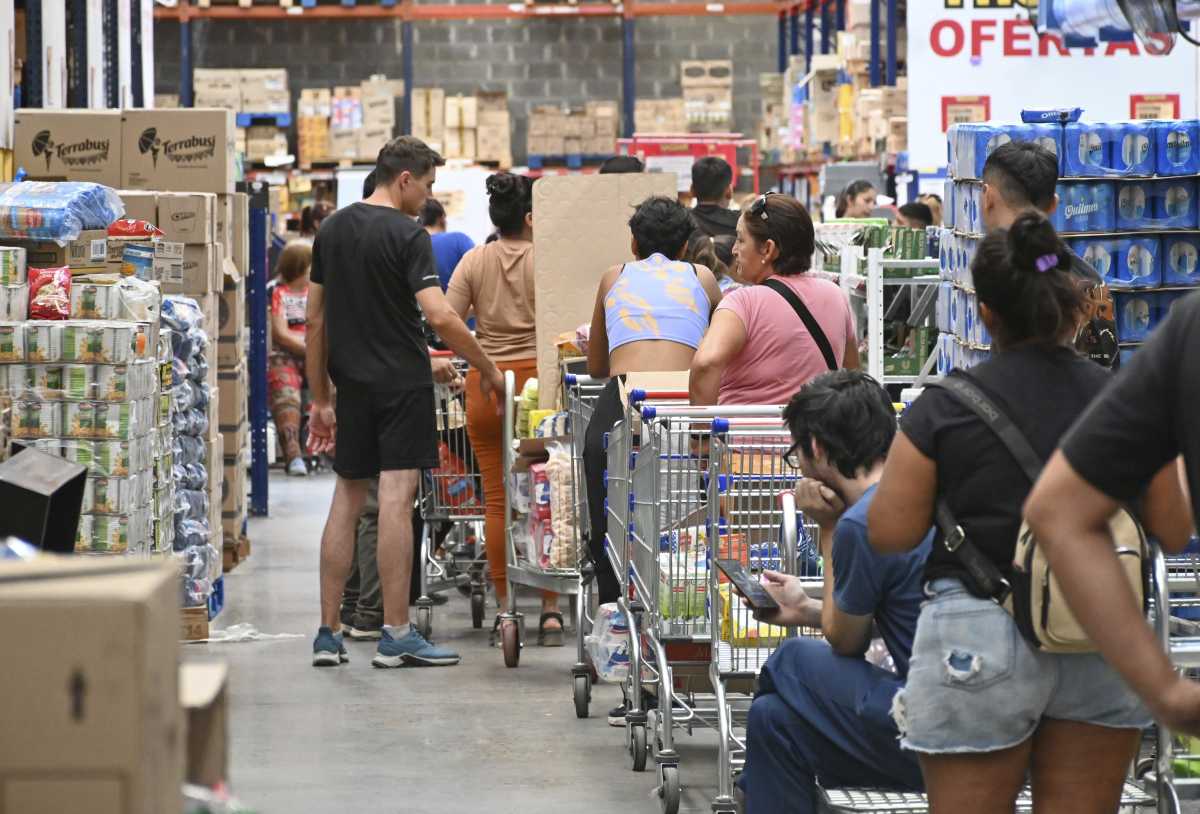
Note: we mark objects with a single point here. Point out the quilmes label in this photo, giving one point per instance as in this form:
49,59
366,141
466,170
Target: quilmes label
1081,210
187,150
1179,146
83,153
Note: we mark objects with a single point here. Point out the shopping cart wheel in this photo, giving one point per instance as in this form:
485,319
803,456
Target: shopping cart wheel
583,695
637,746
669,791
425,620
478,606
510,641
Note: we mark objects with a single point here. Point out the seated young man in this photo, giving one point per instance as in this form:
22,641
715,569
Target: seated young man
823,712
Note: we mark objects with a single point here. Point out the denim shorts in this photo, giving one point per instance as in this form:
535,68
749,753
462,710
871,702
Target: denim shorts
975,685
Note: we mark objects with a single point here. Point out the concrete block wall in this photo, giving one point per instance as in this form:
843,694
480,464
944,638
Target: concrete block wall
538,61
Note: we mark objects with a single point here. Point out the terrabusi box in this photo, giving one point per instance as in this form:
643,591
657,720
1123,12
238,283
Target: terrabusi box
69,145
186,150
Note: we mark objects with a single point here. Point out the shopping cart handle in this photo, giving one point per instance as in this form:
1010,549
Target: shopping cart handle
648,413
571,379
637,395
720,426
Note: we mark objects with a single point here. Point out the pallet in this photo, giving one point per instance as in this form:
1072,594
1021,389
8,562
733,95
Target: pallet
572,161
193,624
283,120
236,553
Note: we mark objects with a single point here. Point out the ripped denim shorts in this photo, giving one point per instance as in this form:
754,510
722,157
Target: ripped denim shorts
975,685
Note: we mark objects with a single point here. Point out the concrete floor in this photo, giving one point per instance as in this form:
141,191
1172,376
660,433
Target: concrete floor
473,738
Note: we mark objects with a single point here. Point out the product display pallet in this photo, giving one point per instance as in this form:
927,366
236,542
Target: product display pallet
572,162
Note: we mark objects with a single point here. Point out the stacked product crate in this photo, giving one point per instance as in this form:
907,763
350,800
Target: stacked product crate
1127,205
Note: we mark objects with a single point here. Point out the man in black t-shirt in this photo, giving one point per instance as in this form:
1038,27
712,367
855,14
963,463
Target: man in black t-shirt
1023,175
712,187
373,276
1138,444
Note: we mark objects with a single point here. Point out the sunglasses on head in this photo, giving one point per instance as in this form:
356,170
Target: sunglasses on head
758,209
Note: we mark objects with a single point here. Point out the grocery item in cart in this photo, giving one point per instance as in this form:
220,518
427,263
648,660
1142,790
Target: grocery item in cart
608,644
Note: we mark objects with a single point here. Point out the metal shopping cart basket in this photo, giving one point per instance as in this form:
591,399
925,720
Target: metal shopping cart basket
522,570
703,487
452,493
581,394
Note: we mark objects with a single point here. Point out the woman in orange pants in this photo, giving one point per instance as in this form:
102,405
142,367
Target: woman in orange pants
496,280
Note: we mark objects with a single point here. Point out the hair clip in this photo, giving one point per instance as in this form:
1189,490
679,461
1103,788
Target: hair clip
1047,262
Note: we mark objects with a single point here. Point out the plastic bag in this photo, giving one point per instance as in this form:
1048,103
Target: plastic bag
127,227
608,644
53,210
140,301
50,293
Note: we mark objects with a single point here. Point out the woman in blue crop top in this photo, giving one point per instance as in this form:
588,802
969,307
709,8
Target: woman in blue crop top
650,316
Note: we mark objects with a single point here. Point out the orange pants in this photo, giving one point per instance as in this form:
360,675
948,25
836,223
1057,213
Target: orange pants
486,430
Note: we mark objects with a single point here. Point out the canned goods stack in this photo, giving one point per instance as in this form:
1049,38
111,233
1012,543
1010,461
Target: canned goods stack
190,394
87,391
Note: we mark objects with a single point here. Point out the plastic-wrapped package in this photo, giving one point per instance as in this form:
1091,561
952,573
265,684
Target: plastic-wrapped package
50,293
559,471
138,300
608,644
53,210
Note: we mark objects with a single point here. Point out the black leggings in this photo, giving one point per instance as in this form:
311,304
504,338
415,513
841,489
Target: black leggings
608,411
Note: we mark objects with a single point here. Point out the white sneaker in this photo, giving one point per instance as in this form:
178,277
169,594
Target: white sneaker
297,468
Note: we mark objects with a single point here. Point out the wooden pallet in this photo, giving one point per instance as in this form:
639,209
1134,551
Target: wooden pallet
193,624
236,553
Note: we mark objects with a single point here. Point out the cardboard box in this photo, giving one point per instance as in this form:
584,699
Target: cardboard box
371,140
210,306
346,112
216,80
206,709
233,384
232,527
236,439
200,273
189,150
166,100
263,80
660,116
712,73
97,706
315,103
492,138
72,145
189,218
233,488
343,144
140,205
88,252
461,112
381,85
379,111
460,144
231,330
275,101
241,233
428,113
223,211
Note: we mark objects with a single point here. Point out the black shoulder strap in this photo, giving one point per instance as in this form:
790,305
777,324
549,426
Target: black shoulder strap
810,322
1013,439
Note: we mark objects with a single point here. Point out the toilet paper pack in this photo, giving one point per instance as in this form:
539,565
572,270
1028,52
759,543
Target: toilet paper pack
1180,254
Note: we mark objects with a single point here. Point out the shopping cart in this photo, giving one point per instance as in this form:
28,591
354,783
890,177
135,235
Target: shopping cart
452,493
581,394
522,571
706,483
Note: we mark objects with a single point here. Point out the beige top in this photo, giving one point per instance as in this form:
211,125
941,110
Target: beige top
497,280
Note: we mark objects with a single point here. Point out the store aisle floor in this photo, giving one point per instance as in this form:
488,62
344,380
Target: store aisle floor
473,738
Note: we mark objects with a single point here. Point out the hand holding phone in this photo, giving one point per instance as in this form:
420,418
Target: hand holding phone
755,594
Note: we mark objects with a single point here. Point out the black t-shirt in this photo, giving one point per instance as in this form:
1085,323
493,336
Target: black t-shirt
1042,390
372,260
1149,415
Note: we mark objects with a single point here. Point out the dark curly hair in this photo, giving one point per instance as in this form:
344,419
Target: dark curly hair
849,414
661,225
787,223
1023,275
510,199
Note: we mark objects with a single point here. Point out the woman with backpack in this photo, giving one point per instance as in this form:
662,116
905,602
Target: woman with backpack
984,704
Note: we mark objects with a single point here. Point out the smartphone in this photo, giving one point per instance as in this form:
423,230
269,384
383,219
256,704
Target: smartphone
749,587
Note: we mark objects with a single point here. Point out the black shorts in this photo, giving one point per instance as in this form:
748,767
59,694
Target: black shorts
382,431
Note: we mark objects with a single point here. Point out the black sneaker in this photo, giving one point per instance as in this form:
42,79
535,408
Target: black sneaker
616,715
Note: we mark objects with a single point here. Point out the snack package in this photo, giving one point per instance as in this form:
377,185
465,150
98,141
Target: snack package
50,293
454,484
608,644
126,227
541,492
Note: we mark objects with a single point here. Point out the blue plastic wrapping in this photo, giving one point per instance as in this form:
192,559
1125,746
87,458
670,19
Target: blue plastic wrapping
1175,204
1053,115
1099,253
1138,263
1132,147
57,210
1135,205
1137,314
1085,150
1175,145
1180,255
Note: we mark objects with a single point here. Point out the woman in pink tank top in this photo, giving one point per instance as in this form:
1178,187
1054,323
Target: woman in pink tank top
785,327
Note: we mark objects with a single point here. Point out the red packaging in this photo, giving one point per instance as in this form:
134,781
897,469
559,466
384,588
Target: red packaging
50,293
541,492
134,228
455,486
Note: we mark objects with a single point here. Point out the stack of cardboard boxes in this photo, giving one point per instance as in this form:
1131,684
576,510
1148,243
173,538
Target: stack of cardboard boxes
708,95
659,116
312,125
429,116
359,120
881,115
773,116
604,119
557,132
233,383
493,142
462,121
260,91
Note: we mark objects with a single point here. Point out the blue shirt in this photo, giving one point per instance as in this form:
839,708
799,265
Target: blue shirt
448,249
885,586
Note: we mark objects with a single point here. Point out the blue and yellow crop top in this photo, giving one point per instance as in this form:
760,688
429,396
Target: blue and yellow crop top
656,298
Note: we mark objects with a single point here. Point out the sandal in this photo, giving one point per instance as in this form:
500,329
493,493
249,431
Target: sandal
550,637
